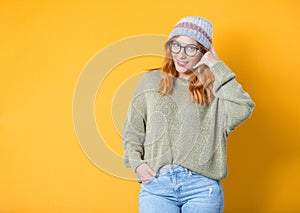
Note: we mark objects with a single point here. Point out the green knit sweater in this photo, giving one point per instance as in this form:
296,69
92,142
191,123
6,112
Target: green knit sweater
173,129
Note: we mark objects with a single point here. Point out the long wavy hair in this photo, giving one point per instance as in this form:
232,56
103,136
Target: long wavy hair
201,83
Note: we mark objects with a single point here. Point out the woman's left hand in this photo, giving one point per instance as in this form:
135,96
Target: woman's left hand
210,58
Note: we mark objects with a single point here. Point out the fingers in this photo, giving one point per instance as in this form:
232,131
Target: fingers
144,172
210,58
203,60
150,171
213,50
206,58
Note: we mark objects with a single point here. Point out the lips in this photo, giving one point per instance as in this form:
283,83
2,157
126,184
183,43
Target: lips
182,63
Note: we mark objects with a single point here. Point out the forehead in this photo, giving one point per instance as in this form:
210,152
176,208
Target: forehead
186,40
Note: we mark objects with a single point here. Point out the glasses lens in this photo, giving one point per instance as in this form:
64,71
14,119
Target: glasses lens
191,50
175,47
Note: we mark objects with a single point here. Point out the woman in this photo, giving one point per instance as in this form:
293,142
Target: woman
174,137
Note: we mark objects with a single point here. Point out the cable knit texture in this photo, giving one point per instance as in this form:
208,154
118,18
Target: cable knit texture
173,129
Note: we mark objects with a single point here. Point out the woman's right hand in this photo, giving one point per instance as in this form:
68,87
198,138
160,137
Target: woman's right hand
144,172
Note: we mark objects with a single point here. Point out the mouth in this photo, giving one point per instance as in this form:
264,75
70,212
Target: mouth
182,63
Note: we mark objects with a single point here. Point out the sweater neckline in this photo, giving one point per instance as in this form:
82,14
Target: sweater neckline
182,81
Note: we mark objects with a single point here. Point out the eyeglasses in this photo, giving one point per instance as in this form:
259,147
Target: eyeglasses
190,49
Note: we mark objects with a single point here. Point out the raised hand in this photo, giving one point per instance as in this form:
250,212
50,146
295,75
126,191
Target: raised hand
210,58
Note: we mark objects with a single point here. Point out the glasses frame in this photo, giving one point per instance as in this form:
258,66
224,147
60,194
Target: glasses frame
184,48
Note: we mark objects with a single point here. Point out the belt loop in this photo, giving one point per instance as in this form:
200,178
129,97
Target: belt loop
170,168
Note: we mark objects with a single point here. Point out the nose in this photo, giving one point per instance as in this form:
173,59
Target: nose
182,54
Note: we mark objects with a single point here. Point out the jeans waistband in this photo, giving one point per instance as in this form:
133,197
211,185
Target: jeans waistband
172,168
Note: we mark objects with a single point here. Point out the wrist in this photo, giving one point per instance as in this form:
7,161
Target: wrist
135,170
213,63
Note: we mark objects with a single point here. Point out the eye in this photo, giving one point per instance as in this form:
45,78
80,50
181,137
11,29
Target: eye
176,44
192,48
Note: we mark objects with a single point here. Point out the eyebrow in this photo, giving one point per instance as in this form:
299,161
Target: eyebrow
180,42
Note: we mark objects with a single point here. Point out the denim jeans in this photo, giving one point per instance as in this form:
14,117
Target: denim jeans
176,189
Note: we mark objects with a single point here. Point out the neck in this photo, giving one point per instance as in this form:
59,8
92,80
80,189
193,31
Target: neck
185,75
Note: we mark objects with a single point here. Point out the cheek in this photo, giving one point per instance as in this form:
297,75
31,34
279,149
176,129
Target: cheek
172,56
195,60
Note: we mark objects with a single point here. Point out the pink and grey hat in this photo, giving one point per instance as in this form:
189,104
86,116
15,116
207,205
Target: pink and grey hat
196,28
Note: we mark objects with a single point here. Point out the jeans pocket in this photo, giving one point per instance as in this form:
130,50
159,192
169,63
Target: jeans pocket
202,178
149,181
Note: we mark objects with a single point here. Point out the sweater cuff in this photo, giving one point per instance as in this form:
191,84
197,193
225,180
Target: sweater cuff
133,163
222,72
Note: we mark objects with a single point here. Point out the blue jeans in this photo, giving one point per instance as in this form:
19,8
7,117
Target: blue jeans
176,189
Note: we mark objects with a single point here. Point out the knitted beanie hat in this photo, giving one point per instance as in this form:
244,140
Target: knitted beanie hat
196,28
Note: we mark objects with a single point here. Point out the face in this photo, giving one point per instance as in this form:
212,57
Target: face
184,63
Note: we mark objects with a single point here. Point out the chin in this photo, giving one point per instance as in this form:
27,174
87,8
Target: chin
181,69
185,71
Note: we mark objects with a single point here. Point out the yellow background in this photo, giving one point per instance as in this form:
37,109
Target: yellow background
46,44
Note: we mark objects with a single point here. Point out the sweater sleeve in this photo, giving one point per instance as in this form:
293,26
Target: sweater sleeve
133,134
238,104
